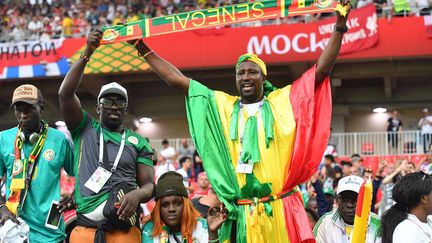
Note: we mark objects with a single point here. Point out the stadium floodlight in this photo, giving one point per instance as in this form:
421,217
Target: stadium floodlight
145,120
379,110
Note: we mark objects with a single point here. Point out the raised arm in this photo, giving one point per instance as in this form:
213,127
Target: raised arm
328,57
70,105
165,70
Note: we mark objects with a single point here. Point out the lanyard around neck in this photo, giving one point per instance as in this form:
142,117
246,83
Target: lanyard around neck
119,153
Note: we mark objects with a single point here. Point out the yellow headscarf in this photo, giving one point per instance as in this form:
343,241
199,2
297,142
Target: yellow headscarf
268,87
253,58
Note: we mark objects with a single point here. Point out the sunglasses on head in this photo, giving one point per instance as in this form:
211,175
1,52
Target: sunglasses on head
109,103
425,174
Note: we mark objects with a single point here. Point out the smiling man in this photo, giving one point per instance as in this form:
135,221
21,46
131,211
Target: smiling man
109,158
32,156
337,226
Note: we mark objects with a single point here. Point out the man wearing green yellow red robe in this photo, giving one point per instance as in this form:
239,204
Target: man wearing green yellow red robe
258,146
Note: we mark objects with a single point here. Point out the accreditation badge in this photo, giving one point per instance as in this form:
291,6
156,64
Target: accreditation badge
17,167
244,168
98,179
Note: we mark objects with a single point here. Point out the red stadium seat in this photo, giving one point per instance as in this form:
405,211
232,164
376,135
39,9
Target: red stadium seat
368,148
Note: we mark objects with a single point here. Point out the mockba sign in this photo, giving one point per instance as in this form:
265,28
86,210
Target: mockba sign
362,34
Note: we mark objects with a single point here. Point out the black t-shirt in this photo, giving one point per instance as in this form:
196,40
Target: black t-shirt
393,124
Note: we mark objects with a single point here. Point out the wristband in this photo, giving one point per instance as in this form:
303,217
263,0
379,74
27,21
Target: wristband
84,57
214,240
341,29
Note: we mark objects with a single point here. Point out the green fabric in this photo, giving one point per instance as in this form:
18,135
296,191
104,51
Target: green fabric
234,121
45,186
401,5
255,189
268,88
206,130
250,147
268,119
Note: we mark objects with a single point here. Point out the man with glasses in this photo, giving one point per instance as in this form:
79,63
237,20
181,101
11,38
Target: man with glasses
32,156
337,226
108,156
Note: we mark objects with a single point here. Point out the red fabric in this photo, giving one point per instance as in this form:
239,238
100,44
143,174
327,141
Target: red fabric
312,112
360,200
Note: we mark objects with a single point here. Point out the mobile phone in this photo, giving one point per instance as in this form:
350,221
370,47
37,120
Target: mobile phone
53,219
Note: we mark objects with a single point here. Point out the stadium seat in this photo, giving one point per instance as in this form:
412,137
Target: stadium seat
368,148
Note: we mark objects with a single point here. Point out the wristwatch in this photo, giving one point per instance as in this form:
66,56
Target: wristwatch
341,29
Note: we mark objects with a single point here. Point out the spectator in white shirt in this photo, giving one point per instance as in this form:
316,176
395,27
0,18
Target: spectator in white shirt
35,27
163,166
425,124
337,225
167,151
409,219
185,167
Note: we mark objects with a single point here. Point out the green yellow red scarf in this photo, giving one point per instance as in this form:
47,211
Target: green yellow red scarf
20,167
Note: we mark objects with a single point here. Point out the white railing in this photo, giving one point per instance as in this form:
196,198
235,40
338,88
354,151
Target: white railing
156,144
378,143
346,144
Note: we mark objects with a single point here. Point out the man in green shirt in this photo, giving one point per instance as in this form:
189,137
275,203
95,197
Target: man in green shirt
108,155
31,158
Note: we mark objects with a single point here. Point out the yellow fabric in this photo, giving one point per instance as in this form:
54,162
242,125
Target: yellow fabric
255,59
348,229
273,163
132,18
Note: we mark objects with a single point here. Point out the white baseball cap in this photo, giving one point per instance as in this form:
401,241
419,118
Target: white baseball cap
350,183
113,88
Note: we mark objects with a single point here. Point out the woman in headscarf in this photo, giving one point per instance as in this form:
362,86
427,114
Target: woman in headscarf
174,219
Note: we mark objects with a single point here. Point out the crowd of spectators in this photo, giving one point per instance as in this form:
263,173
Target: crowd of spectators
319,192
46,19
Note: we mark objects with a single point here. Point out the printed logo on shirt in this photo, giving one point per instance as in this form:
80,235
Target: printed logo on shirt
49,154
17,167
133,140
